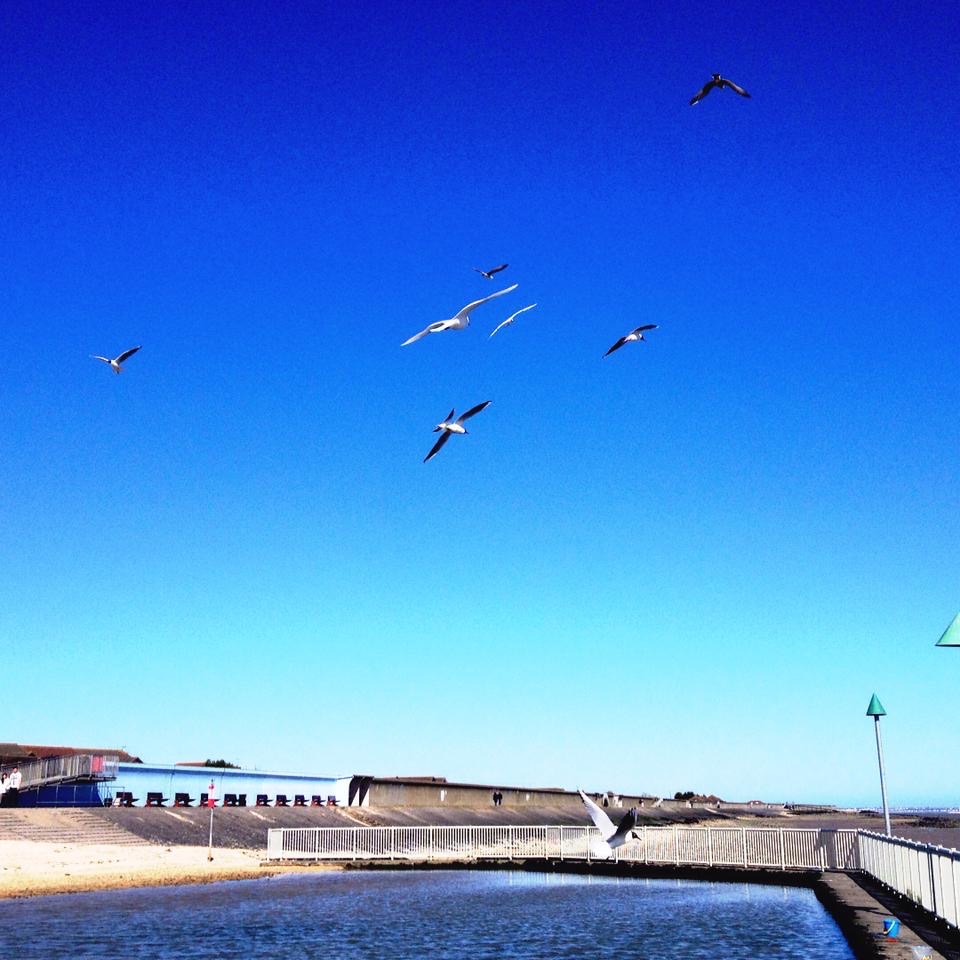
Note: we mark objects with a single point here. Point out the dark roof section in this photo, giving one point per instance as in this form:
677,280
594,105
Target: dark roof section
414,779
42,752
13,753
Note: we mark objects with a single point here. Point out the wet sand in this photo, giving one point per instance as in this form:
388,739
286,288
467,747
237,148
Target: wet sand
30,868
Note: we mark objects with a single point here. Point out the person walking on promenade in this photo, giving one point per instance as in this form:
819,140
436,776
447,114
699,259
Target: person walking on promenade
13,788
3,789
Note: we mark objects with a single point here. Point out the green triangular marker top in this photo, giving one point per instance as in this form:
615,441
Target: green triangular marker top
876,708
951,636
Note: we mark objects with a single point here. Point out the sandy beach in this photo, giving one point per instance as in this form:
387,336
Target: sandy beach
70,851
36,868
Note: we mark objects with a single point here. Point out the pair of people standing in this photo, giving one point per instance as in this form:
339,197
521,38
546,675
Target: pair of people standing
497,798
10,788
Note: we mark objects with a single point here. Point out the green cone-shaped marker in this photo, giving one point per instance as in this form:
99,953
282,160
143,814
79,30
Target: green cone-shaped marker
951,636
876,707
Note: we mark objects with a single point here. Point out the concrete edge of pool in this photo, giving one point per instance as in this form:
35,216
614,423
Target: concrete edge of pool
857,904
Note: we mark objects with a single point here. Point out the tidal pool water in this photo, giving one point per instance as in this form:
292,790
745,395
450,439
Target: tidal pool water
436,914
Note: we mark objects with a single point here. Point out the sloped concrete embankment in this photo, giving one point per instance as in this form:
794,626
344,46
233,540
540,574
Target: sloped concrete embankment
246,827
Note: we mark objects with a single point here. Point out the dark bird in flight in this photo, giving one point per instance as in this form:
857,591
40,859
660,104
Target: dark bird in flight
116,361
489,273
450,426
631,337
719,83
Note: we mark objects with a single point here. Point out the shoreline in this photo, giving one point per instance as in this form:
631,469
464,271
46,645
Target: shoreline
43,868
38,869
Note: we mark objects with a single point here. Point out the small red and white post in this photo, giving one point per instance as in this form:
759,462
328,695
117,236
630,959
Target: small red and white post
211,803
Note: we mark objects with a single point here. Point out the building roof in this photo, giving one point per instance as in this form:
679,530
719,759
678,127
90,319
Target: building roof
414,779
13,753
40,752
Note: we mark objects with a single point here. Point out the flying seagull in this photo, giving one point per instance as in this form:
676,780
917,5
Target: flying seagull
512,317
116,361
631,337
459,321
449,426
489,273
718,82
614,836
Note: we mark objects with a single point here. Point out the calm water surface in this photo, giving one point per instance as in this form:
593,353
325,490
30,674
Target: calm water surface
445,915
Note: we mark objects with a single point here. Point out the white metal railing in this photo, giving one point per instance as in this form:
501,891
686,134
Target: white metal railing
927,874
81,766
772,848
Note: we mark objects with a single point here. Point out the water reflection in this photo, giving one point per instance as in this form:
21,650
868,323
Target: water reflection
443,914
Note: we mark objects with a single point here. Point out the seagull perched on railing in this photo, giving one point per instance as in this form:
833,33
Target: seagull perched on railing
460,320
718,83
512,317
116,361
489,273
614,836
631,337
449,426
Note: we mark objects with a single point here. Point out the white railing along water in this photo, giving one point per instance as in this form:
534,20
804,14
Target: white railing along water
928,875
778,849
924,873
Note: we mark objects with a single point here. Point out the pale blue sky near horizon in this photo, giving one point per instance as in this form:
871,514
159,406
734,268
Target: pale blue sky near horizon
685,566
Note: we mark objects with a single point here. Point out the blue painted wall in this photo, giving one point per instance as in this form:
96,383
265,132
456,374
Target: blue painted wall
143,778
67,795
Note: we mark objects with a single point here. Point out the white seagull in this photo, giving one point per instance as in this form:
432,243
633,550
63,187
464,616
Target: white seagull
489,273
460,320
632,336
513,317
449,426
116,361
613,836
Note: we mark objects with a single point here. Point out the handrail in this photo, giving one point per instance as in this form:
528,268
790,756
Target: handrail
925,873
79,766
757,847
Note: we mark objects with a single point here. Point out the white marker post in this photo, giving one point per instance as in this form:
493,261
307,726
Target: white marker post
211,803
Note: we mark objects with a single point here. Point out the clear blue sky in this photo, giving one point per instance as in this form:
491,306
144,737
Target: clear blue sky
686,566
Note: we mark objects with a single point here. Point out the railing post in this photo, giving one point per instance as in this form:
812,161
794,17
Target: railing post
783,852
561,843
918,872
646,848
710,846
956,891
933,879
676,845
743,840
